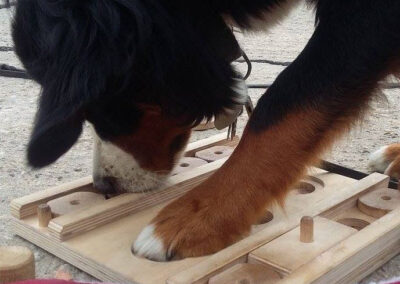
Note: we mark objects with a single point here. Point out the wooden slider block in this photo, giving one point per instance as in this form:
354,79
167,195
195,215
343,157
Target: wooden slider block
307,229
16,264
97,215
245,273
379,202
44,215
355,257
215,153
215,140
187,164
27,205
287,253
73,202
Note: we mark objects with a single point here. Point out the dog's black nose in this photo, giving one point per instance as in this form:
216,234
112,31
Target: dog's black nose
105,185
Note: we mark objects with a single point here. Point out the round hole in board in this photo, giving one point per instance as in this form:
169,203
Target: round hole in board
184,165
74,202
305,188
385,197
268,217
355,223
218,153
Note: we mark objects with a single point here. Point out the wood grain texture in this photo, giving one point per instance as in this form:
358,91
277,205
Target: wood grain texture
354,257
186,164
245,273
44,215
27,205
338,192
16,264
307,229
73,202
288,252
102,235
214,153
104,252
216,140
89,218
379,202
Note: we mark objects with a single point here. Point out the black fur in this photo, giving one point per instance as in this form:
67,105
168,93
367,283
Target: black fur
97,59
355,45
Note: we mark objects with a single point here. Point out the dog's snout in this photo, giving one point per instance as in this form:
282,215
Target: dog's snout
105,185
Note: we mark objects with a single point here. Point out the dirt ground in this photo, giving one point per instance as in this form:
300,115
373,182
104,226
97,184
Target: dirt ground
18,103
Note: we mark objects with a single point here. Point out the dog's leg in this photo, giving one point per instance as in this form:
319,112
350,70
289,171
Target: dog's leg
312,101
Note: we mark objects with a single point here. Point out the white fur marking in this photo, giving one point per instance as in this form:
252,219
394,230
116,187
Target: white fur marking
378,160
111,161
389,172
149,246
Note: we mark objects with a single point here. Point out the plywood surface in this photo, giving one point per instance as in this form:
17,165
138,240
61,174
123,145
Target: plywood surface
287,253
347,261
97,239
105,251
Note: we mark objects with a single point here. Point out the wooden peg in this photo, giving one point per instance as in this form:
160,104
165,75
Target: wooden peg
16,264
307,229
44,215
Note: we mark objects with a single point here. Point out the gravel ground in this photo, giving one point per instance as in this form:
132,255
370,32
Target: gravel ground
18,103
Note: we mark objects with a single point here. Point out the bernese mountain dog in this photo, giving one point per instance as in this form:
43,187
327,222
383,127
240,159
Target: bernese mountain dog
144,72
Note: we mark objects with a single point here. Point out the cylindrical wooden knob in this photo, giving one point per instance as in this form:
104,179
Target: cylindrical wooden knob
44,215
16,264
307,229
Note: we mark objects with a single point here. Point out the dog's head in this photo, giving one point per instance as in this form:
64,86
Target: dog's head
143,72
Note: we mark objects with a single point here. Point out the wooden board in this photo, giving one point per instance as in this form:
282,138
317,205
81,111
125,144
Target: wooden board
97,239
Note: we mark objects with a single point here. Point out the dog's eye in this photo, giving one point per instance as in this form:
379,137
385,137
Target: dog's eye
178,143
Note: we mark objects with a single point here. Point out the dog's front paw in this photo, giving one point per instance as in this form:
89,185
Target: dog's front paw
386,160
190,227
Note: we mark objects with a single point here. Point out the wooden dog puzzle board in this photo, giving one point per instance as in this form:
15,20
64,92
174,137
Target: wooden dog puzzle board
346,236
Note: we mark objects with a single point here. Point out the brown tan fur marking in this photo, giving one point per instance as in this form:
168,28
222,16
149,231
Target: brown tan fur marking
260,172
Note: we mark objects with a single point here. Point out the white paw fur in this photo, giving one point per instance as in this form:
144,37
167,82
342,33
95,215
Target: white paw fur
378,160
111,161
150,246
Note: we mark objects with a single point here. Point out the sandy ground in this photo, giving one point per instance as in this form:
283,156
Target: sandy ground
18,103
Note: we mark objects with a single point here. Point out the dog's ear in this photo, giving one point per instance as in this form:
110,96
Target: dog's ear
55,132
79,52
